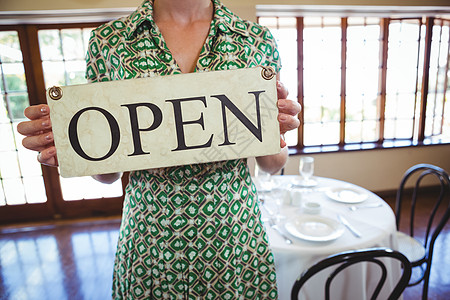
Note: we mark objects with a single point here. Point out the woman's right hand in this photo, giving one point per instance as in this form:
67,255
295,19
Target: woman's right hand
39,135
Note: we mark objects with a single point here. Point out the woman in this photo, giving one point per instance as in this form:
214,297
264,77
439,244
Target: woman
194,231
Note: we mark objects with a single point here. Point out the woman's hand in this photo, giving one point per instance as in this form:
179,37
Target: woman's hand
287,117
288,111
39,135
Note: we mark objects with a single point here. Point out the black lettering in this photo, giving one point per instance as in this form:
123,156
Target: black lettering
255,130
135,130
113,127
179,123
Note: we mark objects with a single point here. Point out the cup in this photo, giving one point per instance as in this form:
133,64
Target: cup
296,197
312,208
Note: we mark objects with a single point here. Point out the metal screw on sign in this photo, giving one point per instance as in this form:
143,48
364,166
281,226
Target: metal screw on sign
267,72
55,92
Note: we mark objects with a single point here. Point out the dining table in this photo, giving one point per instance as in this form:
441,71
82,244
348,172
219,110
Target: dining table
304,222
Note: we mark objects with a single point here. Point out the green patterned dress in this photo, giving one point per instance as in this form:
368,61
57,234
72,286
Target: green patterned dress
194,231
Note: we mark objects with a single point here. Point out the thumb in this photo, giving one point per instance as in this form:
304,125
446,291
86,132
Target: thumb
282,91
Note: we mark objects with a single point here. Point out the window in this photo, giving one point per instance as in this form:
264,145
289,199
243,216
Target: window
20,174
365,82
32,59
63,62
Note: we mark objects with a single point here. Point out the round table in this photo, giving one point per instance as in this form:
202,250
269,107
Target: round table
376,225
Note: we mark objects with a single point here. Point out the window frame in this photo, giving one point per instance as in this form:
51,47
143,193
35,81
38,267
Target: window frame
382,142
55,207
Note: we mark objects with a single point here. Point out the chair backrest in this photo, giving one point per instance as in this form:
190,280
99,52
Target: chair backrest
434,227
346,259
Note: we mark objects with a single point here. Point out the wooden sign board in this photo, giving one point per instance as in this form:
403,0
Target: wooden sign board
164,121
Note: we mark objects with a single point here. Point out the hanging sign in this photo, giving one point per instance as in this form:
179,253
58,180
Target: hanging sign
164,121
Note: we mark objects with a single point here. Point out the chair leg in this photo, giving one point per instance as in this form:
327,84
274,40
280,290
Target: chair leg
426,280
425,290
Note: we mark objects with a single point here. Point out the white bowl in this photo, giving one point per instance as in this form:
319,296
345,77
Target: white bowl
312,208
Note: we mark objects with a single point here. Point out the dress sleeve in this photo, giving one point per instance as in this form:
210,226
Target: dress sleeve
272,54
95,62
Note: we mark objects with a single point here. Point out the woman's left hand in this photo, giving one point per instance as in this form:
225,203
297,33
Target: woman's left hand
288,111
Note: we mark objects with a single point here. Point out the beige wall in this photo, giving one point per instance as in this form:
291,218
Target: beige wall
377,170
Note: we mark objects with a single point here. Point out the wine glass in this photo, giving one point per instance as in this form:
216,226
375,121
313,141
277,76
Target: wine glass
274,204
264,182
306,170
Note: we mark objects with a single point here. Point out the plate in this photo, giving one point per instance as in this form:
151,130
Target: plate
314,228
265,185
347,195
299,181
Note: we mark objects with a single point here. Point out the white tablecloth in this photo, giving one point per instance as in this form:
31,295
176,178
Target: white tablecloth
377,226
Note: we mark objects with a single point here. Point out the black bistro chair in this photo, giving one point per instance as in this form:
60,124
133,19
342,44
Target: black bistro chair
346,259
421,253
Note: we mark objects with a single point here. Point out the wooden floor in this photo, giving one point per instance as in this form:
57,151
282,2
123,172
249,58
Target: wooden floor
61,261
74,260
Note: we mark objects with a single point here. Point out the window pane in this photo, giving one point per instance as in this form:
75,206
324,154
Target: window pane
321,134
369,131
291,138
66,66
405,59
16,167
27,158
9,165
331,109
14,191
399,106
446,120
404,129
75,72
17,104
10,47
362,84
7,143
438,64
14,75
63,55
2,194
53,73
389,129
285,33
50,45
87,188
72,42
353,131
322,80
361,131
34,189
4,116
403,79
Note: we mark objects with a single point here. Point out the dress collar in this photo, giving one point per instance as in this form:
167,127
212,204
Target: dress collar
224,20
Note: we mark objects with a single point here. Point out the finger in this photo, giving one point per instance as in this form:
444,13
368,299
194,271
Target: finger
48,157
37,111
38,142
282,91
282,142
288,122
35,127
290,107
